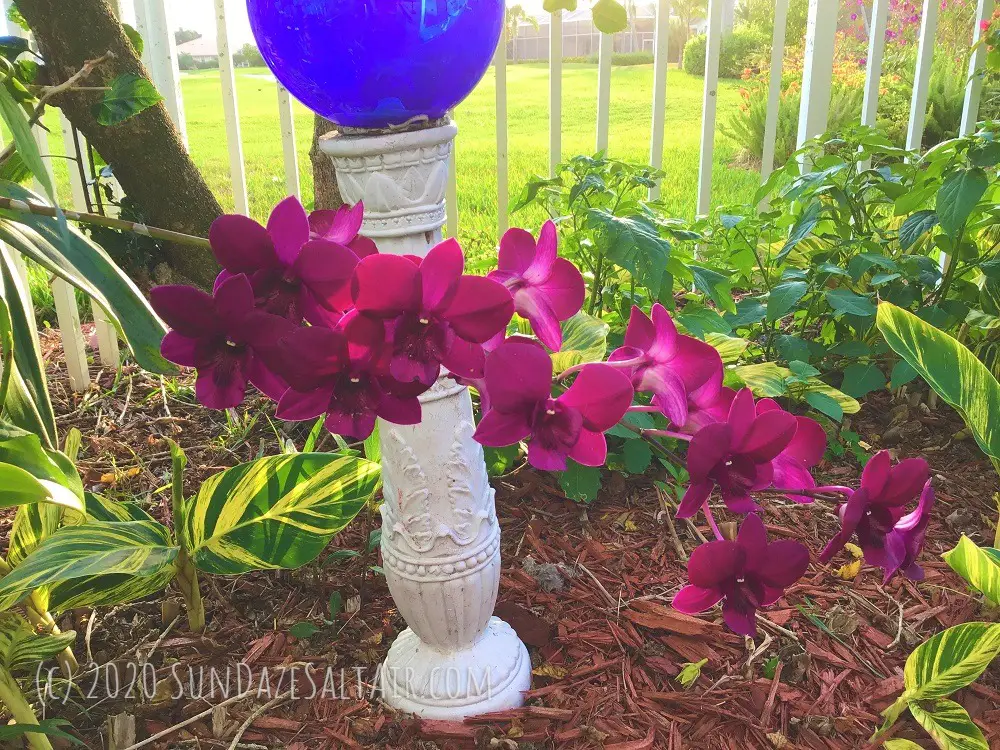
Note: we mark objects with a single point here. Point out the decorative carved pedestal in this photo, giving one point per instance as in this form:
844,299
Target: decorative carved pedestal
440,536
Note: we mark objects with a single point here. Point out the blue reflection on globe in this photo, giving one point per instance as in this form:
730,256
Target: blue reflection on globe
375,63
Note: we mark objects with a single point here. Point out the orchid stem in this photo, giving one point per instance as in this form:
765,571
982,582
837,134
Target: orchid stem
712,523
643,407
820,493
668,434
654,444
623,364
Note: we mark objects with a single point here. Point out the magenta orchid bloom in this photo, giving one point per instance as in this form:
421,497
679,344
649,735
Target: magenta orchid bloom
744,575
519,383
906,540
792,465
434,314
708,403
338,373
665,362
217,335
546,289
342,225
293,275
737,455
872,512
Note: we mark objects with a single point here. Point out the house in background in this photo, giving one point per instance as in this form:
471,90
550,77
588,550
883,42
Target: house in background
198,53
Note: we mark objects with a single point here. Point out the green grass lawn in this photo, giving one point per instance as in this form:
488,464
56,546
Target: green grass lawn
631,99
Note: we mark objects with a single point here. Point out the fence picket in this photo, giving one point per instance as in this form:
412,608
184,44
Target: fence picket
922,75
555,91
451,190
503,179
605,55
974,87
774,88
876,51
661,58
817,72
155,24
231,111
709,105
292,183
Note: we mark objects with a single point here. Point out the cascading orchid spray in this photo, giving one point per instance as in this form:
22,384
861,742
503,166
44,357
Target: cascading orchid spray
310,313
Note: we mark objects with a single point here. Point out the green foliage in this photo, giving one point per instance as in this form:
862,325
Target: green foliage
127,96
581,483
979,567
742,49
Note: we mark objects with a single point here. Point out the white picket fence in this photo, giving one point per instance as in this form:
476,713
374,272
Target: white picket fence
155,24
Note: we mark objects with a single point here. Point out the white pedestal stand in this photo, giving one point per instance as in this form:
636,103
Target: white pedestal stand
440,536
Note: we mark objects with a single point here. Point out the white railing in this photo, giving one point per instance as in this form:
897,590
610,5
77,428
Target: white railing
154,22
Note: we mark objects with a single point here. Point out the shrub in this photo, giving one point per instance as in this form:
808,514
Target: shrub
746,127
744,48
618,59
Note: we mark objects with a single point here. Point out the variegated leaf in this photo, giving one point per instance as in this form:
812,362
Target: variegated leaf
977,567
585,339
32,524
21,648
276,512
139,548
769,380
950,725
950,660
18,487
901,744
25,450
730,348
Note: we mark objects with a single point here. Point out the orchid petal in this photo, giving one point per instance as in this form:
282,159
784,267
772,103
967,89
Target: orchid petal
398,410
670,394
480,308
715,563
241,245
601,394
357,426
518,375
739,619
544,256
327,269
694,497
386,285
288,226
742,413
784,563
789,472
221,386
180,349
465,359
752,537
564,289
296,406
499,429
694,599
265,380
340,225
876,473
234,299
591,448
640,332
921,515
517,251
708,447
440,271
809,442
696,362
546,459
906,480
664,344
767,436
531,304
187,310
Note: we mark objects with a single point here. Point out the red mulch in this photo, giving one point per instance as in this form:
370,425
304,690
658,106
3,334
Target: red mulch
605,649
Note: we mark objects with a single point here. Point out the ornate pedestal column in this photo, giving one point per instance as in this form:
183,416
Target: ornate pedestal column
440,536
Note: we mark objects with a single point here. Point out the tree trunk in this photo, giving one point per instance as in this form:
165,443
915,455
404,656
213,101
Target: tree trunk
145,151
326,191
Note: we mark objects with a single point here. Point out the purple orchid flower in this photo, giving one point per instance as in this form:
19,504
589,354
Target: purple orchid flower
217,336
872,512
803,452
904,543
744,575
708,403
737,455
546,289
434,314
340,373
519,383
342,225
664,362
293,274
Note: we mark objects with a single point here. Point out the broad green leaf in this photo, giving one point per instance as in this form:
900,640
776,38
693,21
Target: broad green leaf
373,448
27,404
610,16
730,348
915,227
702,321
24,450
717,286
766,379
860,379
847,302
957,197
804,224
633,243
136,548
18,487
585,339
127,96
33,523
950,725
748,312
16,120
500,460
21,648
901,744
135,37
303,630
49,727
902,373
637,456
825,404
977,567
72,256
954,372
276,512
950,660
6,351
105,590
784,297
580,482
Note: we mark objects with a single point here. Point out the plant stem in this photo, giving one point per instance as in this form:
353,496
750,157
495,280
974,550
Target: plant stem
667,434
654,444
20,709
187,573
25,207
712,523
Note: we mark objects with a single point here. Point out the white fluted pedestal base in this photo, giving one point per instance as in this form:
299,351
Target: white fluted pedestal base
491,675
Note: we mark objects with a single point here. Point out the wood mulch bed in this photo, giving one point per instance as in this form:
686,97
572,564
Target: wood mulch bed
588,588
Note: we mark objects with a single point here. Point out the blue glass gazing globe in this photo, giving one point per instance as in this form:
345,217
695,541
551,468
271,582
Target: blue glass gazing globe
375,63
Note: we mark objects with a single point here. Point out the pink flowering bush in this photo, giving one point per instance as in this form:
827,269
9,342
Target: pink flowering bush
312,315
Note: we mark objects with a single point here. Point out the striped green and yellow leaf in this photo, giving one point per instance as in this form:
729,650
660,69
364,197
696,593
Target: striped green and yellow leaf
21,648
139,548
276,512
115,588
950,726
950,660
32,524
730,348
953,371
585,339
24,449
18,487
768,380
901,744
977,566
